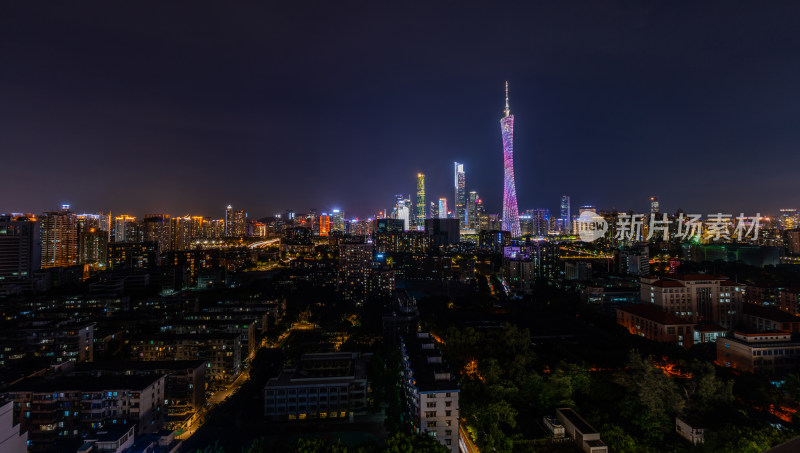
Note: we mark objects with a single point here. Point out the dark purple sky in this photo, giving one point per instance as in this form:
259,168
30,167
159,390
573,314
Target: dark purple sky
186,107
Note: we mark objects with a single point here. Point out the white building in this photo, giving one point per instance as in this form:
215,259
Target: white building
430,390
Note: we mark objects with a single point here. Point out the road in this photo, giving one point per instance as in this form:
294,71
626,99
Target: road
195,422
465,443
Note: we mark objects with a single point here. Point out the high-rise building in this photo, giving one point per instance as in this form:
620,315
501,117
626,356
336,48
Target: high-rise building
20,249
566,214
235,223
472,210
93,243
540,221
59,238
421,201
355,269
654,206
461,195
157,229
434,210
337,221
324,224
510,209
790,219
442,208
125,229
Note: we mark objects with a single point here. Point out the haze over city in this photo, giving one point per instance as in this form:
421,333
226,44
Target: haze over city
695,102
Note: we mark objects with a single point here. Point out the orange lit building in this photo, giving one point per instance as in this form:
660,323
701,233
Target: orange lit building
324,224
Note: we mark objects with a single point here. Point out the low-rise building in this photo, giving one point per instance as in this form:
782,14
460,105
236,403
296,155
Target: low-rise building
690,431
321,386
431,391
649,321
758,352
580,431
220,350
185,382
763,318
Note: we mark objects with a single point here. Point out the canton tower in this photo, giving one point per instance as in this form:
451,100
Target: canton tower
510,212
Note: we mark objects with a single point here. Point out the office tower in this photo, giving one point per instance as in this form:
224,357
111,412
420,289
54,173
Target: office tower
483,218
471,213
337,221
402,212
789,219
654,206
421,201
460,200
324,224
235,223
59,238
20,249
434,210
124,229
442,208
525,225
355,268
510,212
566,214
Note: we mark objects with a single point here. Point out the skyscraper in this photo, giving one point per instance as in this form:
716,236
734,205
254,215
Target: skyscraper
337,220
461,195
654,206
510,210
420,201
566,215
472,210
235,223
442,208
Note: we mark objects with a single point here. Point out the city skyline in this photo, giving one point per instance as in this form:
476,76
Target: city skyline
646,120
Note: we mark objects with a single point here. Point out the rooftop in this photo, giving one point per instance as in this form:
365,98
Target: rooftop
139,365
578,421
773,314
40,384
426,364
653,313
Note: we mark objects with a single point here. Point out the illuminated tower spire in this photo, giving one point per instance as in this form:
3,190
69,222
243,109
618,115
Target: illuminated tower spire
510,209
508,110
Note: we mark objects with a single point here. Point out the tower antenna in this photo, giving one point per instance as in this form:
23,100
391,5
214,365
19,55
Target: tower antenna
508,110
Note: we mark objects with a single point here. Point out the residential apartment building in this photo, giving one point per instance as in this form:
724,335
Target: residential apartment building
54,408
430,389
221,351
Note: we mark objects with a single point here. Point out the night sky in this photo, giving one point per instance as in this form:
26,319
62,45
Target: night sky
187,107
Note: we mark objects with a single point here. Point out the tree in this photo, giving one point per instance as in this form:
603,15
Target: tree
403,443
653,398
619,441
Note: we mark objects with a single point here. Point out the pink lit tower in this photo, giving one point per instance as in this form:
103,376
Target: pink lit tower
510,211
